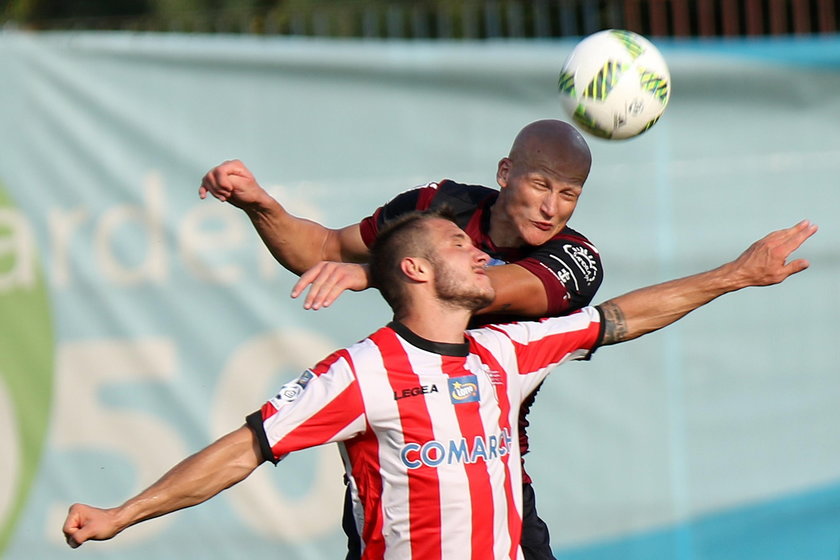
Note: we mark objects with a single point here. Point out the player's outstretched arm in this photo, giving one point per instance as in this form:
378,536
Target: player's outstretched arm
297,243
518,292
194,480
764,263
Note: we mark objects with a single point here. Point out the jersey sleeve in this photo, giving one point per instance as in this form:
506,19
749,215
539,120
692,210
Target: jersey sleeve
570,270
419,198
322,405
537,347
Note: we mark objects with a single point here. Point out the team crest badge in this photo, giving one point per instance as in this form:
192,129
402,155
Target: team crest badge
463,389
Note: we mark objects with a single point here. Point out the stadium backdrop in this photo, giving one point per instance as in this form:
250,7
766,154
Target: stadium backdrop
138,323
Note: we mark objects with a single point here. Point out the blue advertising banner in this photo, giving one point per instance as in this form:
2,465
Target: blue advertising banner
138,322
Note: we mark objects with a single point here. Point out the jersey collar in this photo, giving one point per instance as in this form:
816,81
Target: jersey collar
460,350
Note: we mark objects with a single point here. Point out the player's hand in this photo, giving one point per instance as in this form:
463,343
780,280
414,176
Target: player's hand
764,263
232,182
327,280
86,523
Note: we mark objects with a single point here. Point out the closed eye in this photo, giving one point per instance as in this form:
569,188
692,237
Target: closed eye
461,240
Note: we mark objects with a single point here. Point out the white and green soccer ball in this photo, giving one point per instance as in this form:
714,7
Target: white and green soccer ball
615,84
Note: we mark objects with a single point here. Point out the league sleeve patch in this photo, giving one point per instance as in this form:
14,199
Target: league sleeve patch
305,377
463,389
291,391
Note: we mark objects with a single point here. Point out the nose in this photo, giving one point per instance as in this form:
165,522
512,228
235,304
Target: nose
549,205
481,257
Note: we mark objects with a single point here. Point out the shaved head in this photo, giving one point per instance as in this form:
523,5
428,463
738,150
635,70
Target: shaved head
555,144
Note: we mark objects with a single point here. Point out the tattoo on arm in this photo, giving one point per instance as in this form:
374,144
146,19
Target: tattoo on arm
615,326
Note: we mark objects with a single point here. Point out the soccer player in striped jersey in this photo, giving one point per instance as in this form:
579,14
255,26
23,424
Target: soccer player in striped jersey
541,266
425,413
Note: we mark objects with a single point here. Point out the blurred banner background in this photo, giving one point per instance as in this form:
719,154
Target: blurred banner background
138,323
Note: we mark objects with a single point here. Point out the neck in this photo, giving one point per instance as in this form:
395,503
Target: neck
502,233
438,325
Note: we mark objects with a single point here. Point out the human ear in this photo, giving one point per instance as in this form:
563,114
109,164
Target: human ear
417,269
503,171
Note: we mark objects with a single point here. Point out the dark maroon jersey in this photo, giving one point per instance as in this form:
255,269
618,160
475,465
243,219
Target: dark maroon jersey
568,265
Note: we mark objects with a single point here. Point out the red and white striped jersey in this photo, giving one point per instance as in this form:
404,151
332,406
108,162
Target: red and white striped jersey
428,431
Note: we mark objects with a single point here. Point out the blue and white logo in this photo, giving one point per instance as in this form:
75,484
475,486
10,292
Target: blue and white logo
456,451
292,390
463,389
304,378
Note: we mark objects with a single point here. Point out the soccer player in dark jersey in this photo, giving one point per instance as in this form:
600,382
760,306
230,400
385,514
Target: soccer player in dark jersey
416,504
544,268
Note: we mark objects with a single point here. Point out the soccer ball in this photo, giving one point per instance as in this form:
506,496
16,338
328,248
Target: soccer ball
615,84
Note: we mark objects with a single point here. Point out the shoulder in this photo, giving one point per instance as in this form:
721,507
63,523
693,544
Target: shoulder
454,188
571,248
460,195
584,322
570,268
569,236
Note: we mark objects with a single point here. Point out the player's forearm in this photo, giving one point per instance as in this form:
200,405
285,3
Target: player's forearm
296,243
648,309
764,263
194,480
519,293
